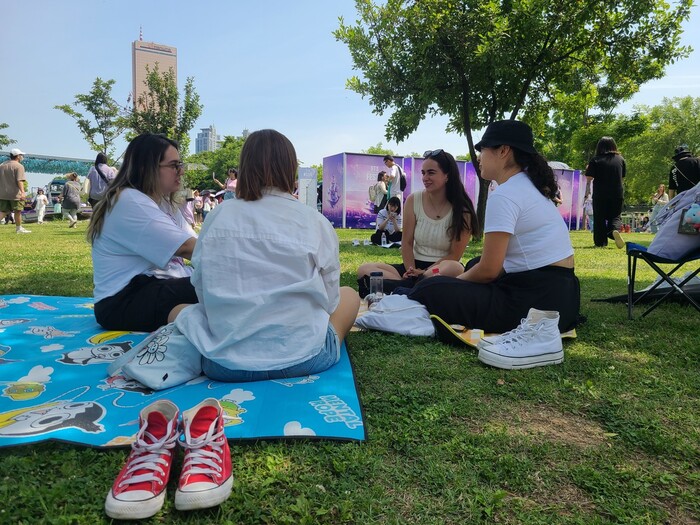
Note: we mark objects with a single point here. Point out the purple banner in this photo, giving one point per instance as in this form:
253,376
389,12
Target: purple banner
332,196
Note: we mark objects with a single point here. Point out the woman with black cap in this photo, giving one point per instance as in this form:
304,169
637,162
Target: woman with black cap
527,260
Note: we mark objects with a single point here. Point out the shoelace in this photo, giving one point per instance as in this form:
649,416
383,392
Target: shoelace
510,333
146,456
521,335
198,460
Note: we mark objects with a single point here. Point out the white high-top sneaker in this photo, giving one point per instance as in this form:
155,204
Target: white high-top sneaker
535,342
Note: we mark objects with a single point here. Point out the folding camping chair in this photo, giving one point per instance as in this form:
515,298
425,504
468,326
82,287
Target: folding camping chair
636,252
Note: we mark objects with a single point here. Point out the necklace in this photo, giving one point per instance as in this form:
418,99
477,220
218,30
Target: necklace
438,213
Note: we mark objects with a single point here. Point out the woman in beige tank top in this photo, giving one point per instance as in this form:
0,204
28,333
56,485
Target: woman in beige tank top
438,223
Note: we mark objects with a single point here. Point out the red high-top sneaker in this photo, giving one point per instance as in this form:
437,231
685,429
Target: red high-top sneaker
206,478
139,490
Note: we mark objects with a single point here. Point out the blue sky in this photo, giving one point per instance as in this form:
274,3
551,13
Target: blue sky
263,64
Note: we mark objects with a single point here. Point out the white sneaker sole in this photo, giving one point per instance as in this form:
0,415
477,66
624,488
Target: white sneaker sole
133,510
510,363
203,499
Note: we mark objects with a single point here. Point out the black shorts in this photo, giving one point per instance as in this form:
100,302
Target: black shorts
144,304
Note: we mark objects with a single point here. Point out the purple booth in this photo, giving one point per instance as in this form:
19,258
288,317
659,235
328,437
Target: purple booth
348,176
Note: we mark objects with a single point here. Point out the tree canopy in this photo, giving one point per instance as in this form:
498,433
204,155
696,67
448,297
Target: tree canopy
4,139
157,109
477,61
100,120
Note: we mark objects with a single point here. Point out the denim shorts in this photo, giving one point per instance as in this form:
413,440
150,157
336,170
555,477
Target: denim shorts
326,358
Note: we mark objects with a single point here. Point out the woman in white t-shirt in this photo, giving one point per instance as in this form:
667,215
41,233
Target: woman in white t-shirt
527,259
139,240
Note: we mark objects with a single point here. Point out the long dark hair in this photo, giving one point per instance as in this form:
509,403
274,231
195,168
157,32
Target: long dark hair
139,171
538,171
457,196
100,159
606,145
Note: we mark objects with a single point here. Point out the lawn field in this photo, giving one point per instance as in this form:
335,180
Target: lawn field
610,436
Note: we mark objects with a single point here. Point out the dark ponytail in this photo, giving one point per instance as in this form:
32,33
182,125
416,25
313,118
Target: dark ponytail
538,171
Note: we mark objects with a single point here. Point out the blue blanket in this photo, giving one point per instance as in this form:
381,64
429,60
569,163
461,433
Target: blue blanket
54,385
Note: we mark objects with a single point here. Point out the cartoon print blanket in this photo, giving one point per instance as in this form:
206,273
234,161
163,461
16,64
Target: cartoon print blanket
54,385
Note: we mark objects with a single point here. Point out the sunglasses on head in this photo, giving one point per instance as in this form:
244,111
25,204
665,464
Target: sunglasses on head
432,153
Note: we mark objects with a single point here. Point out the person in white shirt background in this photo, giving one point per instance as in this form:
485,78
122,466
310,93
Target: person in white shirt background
40,203
394,176
140,240
267,272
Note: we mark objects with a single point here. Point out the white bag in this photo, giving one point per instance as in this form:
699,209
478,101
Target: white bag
166,358
400,315
668,242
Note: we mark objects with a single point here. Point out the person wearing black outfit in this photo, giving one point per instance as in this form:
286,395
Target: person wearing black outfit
606,171
685,172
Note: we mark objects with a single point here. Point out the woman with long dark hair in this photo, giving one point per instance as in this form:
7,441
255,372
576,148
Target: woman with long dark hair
438,222
139,240
99,177
527,260
606,170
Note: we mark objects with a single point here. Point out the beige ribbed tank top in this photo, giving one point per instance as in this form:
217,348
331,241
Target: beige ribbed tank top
430,239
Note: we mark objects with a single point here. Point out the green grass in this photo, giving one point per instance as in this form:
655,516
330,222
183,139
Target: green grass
610,436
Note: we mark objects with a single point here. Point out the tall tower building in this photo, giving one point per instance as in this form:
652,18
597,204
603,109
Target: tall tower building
149,54
207,140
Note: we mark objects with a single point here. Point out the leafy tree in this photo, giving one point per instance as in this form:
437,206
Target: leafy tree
4,139
214,162
379,149
477,61
648,152
157,109
100,121
319,171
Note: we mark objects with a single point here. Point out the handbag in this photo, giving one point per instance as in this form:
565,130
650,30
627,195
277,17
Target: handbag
166,358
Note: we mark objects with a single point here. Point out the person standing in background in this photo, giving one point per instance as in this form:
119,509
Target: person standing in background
659,200
70,198
40,204
99,177
394,174
605,171
685,172
12,193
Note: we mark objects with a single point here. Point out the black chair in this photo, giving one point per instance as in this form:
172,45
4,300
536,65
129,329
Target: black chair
636,252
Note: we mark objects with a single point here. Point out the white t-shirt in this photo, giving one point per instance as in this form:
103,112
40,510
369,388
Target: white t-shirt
539,235
267,275
395,180
138,237
383,215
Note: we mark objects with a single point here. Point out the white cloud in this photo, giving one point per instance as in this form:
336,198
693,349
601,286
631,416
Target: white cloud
294,428
51,348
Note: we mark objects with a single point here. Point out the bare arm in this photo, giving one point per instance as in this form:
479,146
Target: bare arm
187,248
409,229
491,264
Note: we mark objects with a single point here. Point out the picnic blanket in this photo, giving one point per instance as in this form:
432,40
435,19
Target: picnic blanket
54,385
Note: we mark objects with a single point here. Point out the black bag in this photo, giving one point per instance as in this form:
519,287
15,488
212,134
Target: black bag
402,178
381,206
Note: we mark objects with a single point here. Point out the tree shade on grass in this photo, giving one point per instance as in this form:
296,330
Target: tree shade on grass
609,436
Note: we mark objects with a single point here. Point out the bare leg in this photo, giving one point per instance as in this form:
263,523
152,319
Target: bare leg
389,271
344,316
447,269
176,311
18,218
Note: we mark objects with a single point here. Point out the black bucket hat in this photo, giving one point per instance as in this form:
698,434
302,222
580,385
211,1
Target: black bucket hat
508,133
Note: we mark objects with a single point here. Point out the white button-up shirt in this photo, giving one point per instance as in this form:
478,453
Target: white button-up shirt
267,274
